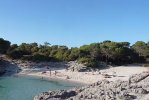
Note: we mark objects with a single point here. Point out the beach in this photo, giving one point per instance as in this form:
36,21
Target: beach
64,71
110,74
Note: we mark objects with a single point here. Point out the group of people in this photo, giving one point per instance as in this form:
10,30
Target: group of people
51,71
55,73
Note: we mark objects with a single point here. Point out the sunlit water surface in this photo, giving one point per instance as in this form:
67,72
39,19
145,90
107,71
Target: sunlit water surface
25,88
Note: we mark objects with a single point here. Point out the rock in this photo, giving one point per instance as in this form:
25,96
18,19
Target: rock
146,97
104,90
74,66
2,67
138,77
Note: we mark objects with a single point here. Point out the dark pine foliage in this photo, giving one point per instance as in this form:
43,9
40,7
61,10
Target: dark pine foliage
110,52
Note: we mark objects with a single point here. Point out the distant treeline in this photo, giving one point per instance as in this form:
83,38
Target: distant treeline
116,53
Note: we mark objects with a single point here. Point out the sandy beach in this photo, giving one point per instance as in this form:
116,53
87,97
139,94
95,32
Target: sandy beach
111,74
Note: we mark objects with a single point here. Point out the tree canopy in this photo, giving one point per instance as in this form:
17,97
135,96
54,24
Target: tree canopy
107,51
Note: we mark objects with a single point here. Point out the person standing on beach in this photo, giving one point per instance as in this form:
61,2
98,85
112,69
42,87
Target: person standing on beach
72,69
50,72
66,68
55,73
114,74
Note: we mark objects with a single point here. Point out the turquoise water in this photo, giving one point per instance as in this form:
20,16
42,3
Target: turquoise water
25,88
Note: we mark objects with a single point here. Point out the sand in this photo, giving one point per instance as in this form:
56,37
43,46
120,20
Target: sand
115,73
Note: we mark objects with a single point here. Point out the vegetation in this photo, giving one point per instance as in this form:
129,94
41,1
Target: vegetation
4,45
110,52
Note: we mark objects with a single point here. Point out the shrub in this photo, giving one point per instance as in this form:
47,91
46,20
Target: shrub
15,54
87,61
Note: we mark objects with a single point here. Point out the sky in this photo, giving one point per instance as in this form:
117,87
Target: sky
74,22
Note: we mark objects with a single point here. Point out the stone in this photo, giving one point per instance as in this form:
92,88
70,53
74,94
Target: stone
104,90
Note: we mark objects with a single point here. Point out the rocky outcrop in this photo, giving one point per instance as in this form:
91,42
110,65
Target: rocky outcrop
70,66
2,68
75,66
138,77
137,88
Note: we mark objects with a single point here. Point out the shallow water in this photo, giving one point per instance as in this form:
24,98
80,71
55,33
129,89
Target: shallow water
25,88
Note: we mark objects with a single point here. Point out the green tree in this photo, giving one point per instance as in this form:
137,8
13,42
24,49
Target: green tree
140,47
4,45
74,54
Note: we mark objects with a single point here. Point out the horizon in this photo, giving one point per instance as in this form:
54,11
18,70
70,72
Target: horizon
74,23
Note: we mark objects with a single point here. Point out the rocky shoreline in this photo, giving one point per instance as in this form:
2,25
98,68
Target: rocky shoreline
2,67
137,88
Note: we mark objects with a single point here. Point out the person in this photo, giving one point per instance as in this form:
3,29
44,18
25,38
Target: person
55,73
129,81
66,68
114,74
72,69
67,77
50,72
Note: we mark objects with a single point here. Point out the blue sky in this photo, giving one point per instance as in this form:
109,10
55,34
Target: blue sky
74,22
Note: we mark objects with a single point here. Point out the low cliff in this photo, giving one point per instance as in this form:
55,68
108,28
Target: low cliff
2,67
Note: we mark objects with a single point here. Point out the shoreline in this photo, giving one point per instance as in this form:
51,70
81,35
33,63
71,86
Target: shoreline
116,73
53,78
64,71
